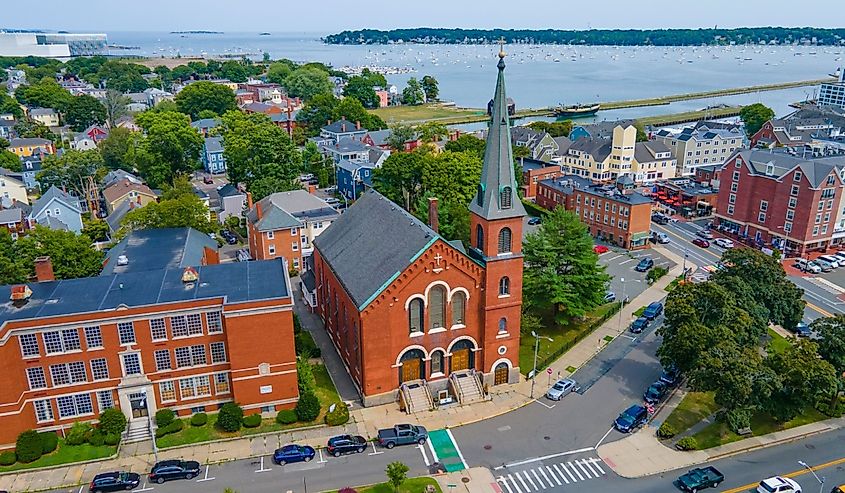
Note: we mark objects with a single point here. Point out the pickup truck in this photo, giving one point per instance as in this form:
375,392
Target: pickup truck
700,478
402,435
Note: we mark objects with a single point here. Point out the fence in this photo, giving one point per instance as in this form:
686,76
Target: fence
548,360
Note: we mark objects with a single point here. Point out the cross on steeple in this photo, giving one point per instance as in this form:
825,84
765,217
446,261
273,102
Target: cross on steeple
502,47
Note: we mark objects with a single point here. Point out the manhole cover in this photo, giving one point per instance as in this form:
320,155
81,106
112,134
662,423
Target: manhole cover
547,438
488,447
465,480
810,446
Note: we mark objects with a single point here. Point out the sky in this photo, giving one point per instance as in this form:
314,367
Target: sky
329,16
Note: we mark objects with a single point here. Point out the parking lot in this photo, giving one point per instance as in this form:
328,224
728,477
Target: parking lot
620,265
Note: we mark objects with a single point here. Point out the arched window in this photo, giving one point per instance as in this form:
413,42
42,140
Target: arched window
503,325
505,240
437,362
459,302
415,315
437,307
506,198
479,237
504,286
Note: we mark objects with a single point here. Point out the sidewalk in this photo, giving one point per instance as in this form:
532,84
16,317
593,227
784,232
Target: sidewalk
473,480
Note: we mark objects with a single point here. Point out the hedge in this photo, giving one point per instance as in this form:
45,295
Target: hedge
286,417
687,443
199,419
49,442
78,433
112,439
252,421
338,416
28,446
7,458
112,421
666,431
230,417
175,426
97,439
164,417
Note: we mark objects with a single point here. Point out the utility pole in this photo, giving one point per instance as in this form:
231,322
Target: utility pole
536,349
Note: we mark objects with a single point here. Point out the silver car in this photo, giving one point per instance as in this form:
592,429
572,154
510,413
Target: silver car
560,389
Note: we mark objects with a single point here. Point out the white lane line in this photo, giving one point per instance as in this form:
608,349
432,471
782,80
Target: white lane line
576,471
596,463
457,449
522,481
206,478
562,476
542,485
626,336
145,488
625,262
425,457
262,466
611,259
80,489
552,474
375,452
528,477
590,467
585,471
546,476
502,481
552,456
513,482
322,460
567,472
538,401
433,452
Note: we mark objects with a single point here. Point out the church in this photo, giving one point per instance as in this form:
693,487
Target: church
417,318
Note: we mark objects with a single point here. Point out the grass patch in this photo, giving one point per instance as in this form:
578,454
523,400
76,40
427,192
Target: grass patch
65,454
639,311
694,407
571,369
674,284
608,338
410,485
777,343
423,112
761,424
325,390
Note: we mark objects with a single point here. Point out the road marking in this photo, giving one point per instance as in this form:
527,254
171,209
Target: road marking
596,463
552,456
590,467
792,474
827,285
629,260
206,478
552,474
538,401
433,452
522,481
425,457
819,310
546,477
80,489
513,481
457,449
322,460
534,472
626,336
528,477
605,436
501,479
577,473
563,476
611,259
262,466
581,466
145,487
568,472
375,452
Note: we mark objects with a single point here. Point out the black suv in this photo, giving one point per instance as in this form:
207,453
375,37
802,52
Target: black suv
114,481
174,469
346,444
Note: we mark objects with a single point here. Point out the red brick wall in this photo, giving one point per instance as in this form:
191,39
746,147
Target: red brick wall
283,240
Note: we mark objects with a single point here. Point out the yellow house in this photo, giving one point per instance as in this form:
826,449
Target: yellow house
12,190
45,116
26,147
126,190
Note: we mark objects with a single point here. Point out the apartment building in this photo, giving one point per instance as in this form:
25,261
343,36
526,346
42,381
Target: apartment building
705,144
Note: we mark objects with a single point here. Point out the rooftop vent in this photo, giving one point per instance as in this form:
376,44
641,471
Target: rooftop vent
20,293
190,275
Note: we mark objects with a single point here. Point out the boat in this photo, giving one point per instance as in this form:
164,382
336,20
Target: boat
263,34
577,110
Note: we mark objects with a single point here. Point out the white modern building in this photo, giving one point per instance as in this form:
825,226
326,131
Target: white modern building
53,45
833,93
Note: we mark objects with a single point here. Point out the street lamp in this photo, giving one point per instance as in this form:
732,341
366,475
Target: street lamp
623,303
536,348
820,480
686,254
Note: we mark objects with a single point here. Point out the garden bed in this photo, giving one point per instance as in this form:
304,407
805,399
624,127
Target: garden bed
65,454
761,424
410,485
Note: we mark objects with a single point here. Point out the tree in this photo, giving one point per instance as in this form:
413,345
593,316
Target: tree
234,70
84,111
70,170
642,136
433,131
413,94
115,104
562,270
46,93
400,178
308,407
754,116
399,134
397,473
28,446
361,89
831,331
171,146
96,229
324,108
71,254
204,95
9,160
32,128
277,72
119,148
9,105
12,269
307,82
184,211
555,129
429,86
803,380
467,143
374,79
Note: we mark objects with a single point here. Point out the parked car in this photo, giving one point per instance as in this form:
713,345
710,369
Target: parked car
840,256
609,296
655,392
832,260
701,243
402,435
806,265
824,264
639,325
670,376
700,478
293,453
167,470
208,180
114,481
631,418
659,218
802,330
778,484
599,249
644,265
653,310
346,444
534,221
704,233
661,238
838,489
724,242
560,389
332,200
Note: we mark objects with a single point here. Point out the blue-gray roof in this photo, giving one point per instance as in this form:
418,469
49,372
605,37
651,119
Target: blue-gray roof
214,144
206,123
229,190
235,282
570,183
155,249
342,127
49,195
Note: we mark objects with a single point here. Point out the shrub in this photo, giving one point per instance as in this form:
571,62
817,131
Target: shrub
78,434
112,421
230,417
286,417
164,417
28,446
305,345
308,407
687,443
112,439
7,458
738,419
199,419
338,416
49,442
175,426
297,325
666,431
305,376
656,273
97,438
252,421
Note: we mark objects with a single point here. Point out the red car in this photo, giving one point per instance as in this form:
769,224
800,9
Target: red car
600,249
701,243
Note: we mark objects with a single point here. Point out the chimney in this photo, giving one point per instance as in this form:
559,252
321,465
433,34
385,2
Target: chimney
433,220
210,256
357,125
258,210
249,203
44,269
329,122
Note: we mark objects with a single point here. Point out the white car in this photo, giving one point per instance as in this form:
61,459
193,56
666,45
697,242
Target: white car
834,261
560,389
778,484
808,266
840,256
705,233
724,242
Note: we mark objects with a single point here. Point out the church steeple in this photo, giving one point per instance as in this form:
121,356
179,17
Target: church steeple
497,196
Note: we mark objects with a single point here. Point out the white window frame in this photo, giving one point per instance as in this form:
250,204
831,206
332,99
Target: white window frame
158,329
161,364
105,400
222,384
271,235
93,337
214,321
36,378
165,389
77,373
179,326
123,333
123,363
194,324
43,411
99,369
28,343
218,352
81,403
183,356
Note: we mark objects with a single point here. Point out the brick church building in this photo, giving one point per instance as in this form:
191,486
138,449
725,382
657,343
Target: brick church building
418,318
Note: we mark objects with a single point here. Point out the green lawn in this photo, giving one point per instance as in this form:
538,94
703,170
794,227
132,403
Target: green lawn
326,391
66,454
422,112
411,485
639,311
694,407
761,424
777,343
674,284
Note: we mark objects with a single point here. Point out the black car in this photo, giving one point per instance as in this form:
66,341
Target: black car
653,310
655,392
174,469
638,325
534,220
631,418
114,481
346,444
644,265
659,219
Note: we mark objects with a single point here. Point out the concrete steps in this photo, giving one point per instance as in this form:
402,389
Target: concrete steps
137,430
467,387
417,397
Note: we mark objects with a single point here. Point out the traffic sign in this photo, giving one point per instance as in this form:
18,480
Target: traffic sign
549,371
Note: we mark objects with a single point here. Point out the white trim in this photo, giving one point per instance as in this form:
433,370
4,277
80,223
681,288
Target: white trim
413,296
500,360
459,288
440,283
435,330
408,348
461,338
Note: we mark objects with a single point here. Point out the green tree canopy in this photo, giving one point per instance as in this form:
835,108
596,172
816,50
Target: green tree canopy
803,379
754,116
46,93
413,93
205,96
831,331
84,111
187,210
360,88
9,160
324,108
429,87
278,71
9,105
119,148
399,134
71,254
115,104
467,143
70,170
171,146
307,82
555,129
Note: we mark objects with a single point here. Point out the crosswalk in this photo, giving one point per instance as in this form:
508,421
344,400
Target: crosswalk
550,476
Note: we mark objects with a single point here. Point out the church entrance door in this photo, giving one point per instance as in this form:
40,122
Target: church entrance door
410,370
460,360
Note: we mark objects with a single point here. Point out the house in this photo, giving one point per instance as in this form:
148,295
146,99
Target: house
533,172
598,131
57,210
380,139
117,175
347,148
126,189
115,219
155,96
12,189
127,122
79,346
89,138
7,128
285,224
232,202
541,145
25,147
13,220
45,116
342,129
353,177
160,248
213,160
30,166
417,318
205,124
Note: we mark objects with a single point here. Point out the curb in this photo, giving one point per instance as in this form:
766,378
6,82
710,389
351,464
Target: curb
772,443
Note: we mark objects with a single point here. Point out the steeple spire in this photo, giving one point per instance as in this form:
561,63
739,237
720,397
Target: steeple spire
497,196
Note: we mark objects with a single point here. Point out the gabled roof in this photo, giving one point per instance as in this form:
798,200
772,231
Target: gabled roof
563,145
206,123
371,244
645,152
214,144
229,190
342,127
156,249
54,194
814,170
283,210
53,222
118,175
11,216
119,189
116,217
347,144
599,149
42,112
29,141
380,137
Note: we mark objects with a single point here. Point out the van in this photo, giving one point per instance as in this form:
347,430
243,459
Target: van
833,261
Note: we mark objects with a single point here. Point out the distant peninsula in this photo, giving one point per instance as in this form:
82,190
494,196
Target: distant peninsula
196,32
596,37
